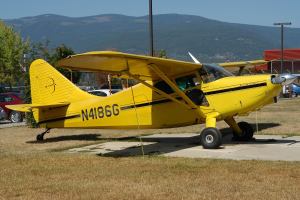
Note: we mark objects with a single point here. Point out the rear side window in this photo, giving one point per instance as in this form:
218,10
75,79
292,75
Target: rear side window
8,99
5,98
163,86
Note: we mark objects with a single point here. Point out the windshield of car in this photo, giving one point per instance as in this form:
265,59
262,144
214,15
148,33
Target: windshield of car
213,72
113,91
98,93
296,84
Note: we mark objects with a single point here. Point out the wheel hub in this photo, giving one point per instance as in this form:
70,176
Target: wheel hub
15,117
209,139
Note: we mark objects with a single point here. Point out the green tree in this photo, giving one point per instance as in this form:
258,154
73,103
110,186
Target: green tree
162,54
12,51
39,50
42,50
62,52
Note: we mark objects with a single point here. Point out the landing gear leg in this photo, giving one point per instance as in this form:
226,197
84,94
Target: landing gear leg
242,131
40,137
211,137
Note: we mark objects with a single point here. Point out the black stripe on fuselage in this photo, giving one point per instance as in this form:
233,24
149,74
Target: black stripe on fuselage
146,104
206,93
58,119
236,88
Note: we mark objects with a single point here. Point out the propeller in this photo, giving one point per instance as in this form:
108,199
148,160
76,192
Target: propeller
283,79
194,59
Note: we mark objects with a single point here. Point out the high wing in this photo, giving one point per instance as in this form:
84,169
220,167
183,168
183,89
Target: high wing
243,63
123,64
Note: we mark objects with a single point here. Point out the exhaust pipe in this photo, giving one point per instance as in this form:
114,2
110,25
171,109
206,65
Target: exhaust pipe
283,79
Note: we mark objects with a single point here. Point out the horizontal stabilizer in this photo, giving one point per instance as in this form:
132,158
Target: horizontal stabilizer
28,107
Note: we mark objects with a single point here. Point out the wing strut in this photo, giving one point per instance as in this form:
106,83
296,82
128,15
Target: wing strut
176,89
241,70
159,91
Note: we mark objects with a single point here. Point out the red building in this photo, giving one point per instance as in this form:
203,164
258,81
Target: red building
291,62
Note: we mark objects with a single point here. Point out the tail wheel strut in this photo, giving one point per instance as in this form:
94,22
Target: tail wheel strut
40,137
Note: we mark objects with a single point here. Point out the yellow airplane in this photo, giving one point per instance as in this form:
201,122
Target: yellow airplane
171,93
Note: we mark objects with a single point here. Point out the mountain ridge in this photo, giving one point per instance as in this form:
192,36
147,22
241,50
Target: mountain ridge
209,40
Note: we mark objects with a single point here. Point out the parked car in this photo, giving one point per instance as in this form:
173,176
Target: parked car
103,92
11,99
2,114
295,89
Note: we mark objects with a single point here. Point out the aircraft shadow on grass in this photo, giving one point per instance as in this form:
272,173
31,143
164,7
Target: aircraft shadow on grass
164,145
97,137
81,137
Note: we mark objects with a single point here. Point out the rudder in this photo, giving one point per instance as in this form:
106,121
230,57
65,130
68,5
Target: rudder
48,86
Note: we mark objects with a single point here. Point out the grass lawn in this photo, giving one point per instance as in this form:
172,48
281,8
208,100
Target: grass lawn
78,176
30,170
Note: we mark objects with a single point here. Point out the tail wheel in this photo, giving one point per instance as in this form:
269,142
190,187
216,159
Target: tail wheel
211,138
15,117
247,132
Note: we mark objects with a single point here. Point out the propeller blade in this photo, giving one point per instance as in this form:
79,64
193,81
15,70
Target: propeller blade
194,59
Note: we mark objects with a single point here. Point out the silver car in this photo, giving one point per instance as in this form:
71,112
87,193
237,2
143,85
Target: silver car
2,114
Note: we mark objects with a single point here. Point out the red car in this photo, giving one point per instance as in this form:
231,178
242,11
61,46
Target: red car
11,99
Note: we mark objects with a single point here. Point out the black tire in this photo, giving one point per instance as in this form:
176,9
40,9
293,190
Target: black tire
211,138
247,132
40,137
15,117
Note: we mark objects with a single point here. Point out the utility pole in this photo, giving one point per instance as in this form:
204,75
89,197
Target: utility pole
151,28
282,24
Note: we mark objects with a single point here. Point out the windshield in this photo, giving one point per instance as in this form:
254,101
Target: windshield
213,72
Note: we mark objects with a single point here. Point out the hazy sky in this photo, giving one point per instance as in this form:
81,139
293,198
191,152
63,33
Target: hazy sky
259,12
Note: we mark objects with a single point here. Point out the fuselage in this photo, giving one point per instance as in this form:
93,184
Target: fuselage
141,107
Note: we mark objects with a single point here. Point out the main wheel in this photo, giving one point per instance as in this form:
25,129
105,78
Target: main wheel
247,132
211,138
15,117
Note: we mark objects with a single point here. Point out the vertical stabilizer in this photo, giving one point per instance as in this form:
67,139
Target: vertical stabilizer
48,86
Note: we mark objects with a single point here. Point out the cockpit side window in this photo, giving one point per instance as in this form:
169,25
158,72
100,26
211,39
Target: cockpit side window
186,82
183,83
163,86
